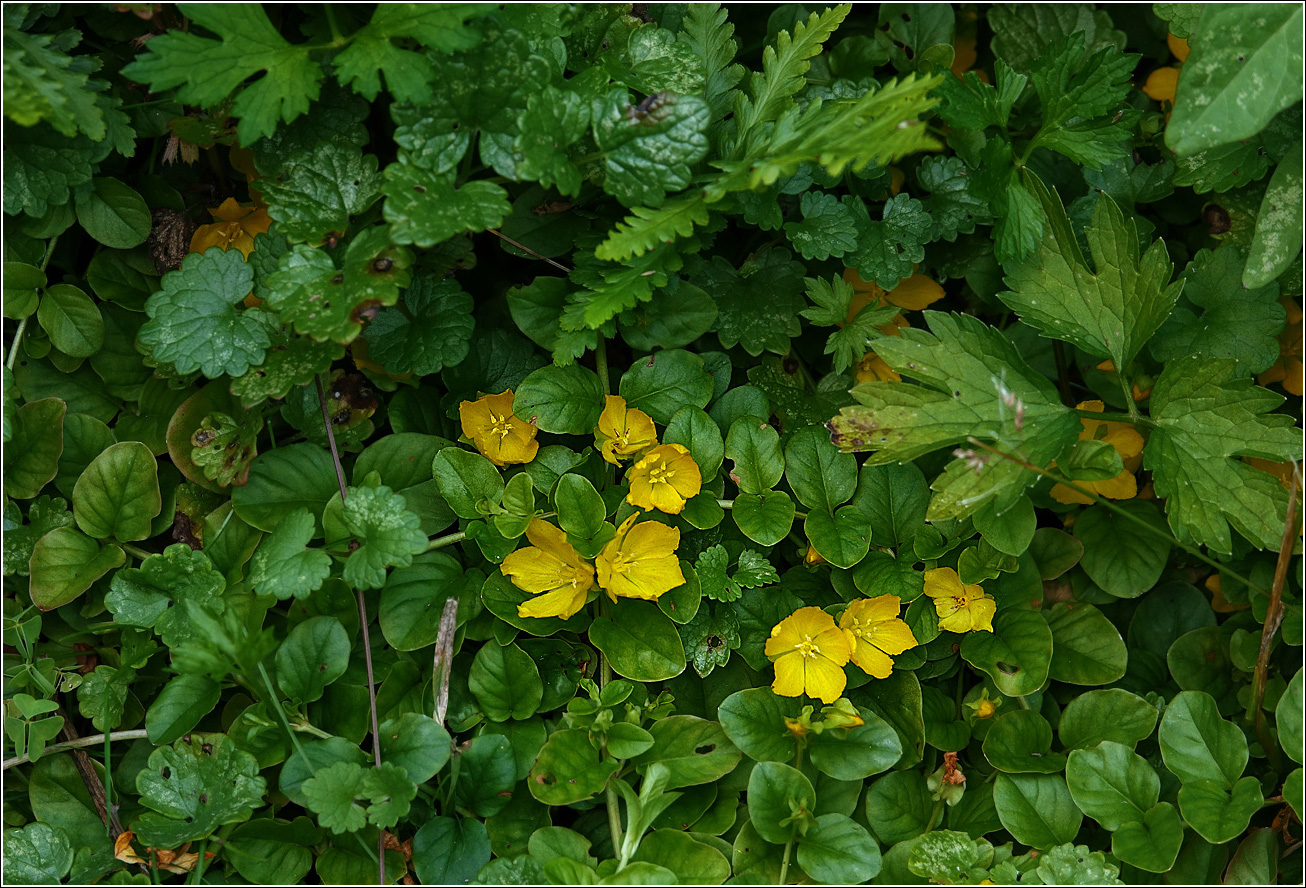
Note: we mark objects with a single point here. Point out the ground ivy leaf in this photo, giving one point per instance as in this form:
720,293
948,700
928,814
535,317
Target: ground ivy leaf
389,535
754,570
487,86
828,227
43,515
552,122
430,141
952,206
711,568
283,565
324,301
337,115
758,305
424,209
887,251
290,361
390,792
207,70
147,596
194,323
434,333
1234,79
1234,322
199,783
319,190
102,696
1207,414
42,167
332,794
408,74
649,147
1110,313
971,380
223,447
709,638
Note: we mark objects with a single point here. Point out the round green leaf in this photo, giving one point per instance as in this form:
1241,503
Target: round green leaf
1197,744
506,682
1092,461
72,320
693,750
65,562
1199,661
765,518
563,400
1036,809
1112,784
41,854
1106,714
84,438
450,850
1167,612
1054,551
298,476
415,743
1011,531
179,707
894,498
663,383
488,770
775,791
580,509
1218,814
821,476
569,769
1086,647
753,719
899,806
22,285
640,642
118,495
1119,557
1020,742
413,599
1016,654
753,447
856,753
691,861
842,539
31,456
314,655
469,482
694,430
1153,843
838,850
114,214
1288,718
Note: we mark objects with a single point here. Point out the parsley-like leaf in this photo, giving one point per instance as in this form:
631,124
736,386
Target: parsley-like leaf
283,565
209,70
408,75
389,534
1207,414
42,82
1234,322
711,37
434,334
194,323
834,300
973,382
648,227
390,792
1109,312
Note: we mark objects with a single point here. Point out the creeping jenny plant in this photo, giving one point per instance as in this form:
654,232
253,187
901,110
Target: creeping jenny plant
652,443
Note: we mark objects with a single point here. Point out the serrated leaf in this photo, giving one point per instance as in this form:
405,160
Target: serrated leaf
649,148
754,570
1110,312
408,74
434,333
208,70
964,367
324,301
199,783
1234,322
390,791
1021,31
283,565
1233,79
332,793
1208,413
1078,96
552,122
389,535
151,596
42,167
706,30
887,251
758,305
487,86
952,206
424,210
711,568
611,288
834,300
828,227
290,361
42,82
709,638
970,103
647,227
318,191
194,323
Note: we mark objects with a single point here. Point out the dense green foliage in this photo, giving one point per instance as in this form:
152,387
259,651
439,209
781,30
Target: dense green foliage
640,444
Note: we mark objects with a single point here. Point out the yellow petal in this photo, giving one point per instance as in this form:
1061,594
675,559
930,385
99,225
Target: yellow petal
982,612
873,662
915,293
892,636
564,603
612,421
534,570
789,676
942,581
1161,83
1178,47
650,539
664,497
1067,495
824,680
807,621
872,610
1122,486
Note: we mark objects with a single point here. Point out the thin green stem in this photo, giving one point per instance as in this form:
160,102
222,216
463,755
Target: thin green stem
614,819
1024,704
730,504
135,551
108,787
601,362
79,743
1132,519
337,39
1134,415
18,340
447,540
789,850
1138,419
275,702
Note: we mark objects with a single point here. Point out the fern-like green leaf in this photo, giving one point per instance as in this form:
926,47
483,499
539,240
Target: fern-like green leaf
648,227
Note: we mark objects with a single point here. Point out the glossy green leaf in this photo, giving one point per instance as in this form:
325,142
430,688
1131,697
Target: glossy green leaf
65,562
1037,809
31,456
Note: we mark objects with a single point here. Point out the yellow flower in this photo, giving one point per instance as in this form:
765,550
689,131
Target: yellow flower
1287,370
500,436
551,569
913,293
1161,83
876,633
640,561
811,556
1127,442
623,431
809,651
237,228
985,708
872,368
664,479
960,608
